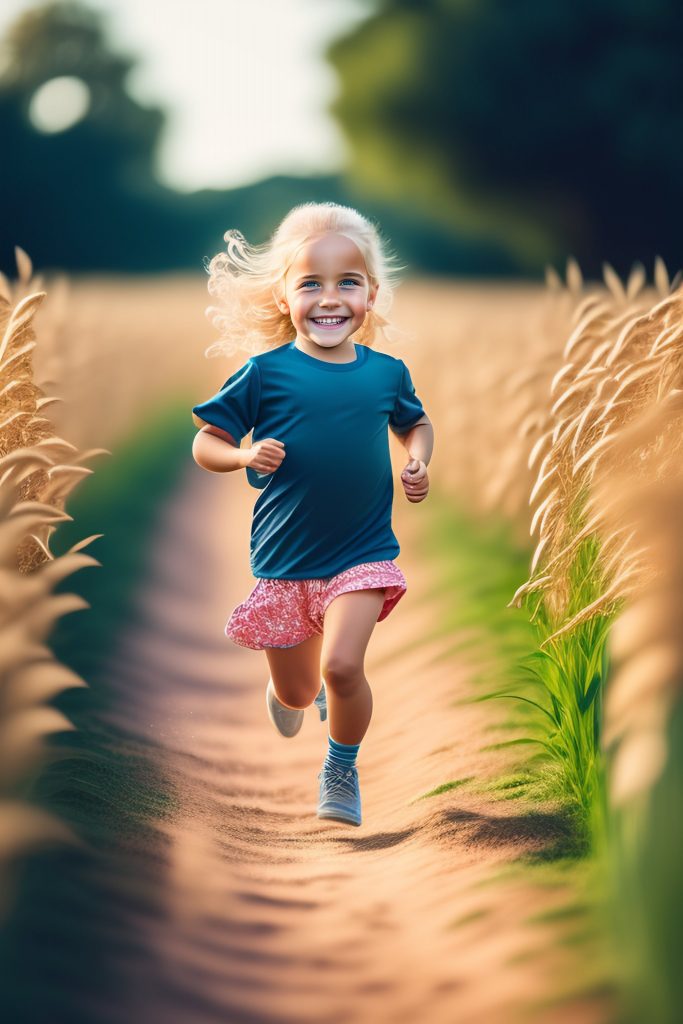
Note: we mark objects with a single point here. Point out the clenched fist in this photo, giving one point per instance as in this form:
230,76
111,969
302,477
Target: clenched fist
415,480
265,456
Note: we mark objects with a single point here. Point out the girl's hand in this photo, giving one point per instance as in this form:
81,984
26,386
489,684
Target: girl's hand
415,480
265,456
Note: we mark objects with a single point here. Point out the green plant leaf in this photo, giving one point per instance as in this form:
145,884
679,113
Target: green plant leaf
586,700
516,696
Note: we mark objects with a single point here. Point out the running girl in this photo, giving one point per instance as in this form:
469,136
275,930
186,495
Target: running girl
308,306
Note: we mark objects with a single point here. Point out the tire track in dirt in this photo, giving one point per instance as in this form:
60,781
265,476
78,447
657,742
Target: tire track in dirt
248,907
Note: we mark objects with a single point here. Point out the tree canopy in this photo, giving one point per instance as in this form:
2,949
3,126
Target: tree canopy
552,127
86,197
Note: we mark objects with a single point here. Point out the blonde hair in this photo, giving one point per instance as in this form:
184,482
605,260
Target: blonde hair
247,280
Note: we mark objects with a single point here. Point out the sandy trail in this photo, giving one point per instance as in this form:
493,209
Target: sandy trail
251,909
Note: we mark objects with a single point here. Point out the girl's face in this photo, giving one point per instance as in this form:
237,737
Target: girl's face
327,290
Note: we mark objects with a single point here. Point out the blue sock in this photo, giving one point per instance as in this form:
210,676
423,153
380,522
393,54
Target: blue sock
341,755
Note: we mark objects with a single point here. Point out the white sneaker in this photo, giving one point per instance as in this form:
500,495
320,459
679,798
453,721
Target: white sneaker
321,701
286,720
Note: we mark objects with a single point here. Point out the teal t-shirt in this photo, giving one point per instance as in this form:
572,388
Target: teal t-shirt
327,507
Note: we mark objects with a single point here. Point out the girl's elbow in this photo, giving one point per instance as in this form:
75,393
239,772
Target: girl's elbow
199,452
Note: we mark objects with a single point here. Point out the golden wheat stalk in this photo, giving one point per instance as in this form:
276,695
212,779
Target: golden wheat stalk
34,482
646,648
619,363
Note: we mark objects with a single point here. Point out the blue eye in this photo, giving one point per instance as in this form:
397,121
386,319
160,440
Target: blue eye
306,284
348,280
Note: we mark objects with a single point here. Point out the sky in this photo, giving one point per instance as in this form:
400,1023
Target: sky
244,83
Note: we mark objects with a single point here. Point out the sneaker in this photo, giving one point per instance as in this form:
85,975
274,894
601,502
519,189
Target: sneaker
339,794
286,720
321,702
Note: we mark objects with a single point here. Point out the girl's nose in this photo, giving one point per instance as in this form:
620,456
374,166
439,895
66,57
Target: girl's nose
330,299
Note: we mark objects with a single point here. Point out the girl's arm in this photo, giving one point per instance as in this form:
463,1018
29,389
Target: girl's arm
215,449
419,440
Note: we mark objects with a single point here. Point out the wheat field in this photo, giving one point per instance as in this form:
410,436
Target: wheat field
558,407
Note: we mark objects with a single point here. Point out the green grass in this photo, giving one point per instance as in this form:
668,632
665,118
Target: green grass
554,692
472,915
643,882
479,564
445,787
568,674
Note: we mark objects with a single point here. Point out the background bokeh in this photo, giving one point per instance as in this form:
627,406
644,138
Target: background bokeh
487,139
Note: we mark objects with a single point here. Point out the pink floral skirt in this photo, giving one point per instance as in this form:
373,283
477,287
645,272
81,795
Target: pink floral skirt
283,613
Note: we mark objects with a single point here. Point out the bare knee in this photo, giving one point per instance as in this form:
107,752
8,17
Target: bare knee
343,674
295,671
295,693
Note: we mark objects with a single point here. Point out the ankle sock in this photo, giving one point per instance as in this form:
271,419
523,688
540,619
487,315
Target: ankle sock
341,755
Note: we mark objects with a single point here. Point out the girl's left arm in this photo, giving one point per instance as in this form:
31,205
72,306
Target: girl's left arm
419,440
419,443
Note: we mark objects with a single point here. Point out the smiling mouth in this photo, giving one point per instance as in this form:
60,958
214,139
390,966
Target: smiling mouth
329,321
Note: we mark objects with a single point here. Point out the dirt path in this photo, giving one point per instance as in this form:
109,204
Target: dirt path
254,909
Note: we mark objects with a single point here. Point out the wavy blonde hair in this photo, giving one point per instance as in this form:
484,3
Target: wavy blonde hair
247,280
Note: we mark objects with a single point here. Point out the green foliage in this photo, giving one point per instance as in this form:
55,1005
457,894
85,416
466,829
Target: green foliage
556,689
478,564
112,213
550,127
568,675
643,883
446,787
70,39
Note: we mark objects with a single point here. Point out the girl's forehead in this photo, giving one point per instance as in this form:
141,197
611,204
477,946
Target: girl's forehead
328,252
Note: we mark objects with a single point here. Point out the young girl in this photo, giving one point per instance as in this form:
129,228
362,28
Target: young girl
319,399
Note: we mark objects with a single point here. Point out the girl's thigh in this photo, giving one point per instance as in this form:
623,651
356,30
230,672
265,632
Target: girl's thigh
349,621
295,671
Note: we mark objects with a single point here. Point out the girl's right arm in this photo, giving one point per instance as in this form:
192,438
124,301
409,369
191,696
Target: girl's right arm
215,449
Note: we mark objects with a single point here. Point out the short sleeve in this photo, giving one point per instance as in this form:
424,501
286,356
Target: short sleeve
408,408
235,407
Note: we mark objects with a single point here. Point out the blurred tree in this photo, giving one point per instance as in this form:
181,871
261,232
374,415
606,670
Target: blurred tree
553,127
68,39
88,186
84,196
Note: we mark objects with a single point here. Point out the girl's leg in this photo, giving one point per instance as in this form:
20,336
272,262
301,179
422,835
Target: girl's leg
349,621
295,671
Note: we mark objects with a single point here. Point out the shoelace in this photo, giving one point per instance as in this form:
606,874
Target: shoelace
339,782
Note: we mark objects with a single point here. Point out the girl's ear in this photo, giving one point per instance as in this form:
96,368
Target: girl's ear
372,295
282,303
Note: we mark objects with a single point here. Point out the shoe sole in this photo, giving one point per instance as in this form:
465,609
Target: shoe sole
336,815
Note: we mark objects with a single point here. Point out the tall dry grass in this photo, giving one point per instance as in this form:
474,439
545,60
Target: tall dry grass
530,389
563,411
115,351
643,724
38,469
646,643
620,362
87,359
620,369
483,356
